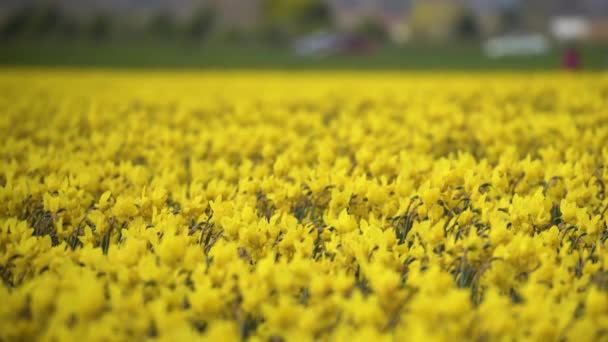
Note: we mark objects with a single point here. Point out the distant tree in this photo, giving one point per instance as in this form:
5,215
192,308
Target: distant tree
373,29
99,27
39,22
434,20
17,23
467,26
162,25
201,24
69,27
44,21
314,16
512,19
296,16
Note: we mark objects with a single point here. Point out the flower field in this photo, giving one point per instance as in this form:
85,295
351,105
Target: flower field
296,207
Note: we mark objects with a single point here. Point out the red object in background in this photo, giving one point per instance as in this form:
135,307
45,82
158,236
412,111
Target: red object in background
571,59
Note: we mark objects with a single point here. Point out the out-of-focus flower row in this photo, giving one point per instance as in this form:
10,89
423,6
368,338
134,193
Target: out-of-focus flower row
328,206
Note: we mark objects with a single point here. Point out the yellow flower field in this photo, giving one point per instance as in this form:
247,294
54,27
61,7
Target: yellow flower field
270,206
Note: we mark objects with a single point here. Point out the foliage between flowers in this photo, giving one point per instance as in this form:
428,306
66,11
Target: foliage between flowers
332,206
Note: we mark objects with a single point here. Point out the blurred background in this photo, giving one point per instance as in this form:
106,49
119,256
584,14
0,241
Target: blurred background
317,34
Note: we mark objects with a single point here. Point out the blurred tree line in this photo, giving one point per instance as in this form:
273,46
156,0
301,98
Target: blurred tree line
279,22
48,21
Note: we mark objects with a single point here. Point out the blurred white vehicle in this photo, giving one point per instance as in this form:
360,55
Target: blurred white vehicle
516,45
327,43
318,44
570,28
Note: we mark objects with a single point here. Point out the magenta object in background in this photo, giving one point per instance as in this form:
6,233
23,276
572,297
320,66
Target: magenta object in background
571,59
